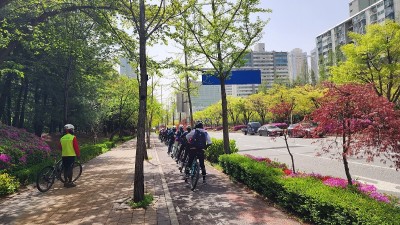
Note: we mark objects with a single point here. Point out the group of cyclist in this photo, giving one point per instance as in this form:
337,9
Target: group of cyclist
185,145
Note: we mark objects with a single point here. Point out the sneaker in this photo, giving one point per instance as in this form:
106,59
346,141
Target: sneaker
204,179
69,185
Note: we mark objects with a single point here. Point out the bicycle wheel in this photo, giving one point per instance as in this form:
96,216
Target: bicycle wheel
45,179
194,175
76,172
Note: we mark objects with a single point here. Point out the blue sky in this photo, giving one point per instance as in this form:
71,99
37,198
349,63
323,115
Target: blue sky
296,23
293,24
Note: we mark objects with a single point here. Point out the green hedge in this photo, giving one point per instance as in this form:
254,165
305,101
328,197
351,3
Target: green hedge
309,198
217,149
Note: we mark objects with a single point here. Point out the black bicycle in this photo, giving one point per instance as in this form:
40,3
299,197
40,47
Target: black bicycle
194,173
46,177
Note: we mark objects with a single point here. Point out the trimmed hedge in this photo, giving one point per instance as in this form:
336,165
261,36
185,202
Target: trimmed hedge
217,149
309,198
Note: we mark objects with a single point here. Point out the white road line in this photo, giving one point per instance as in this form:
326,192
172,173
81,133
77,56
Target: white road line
382,185
327,158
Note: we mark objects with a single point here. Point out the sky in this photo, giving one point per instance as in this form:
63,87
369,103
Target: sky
296,23
293,24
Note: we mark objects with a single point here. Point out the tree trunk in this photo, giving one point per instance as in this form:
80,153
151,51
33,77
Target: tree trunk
22,116
138,194
37,124
17,110
188,87
291,155
67,77
344,155
225,129
5,94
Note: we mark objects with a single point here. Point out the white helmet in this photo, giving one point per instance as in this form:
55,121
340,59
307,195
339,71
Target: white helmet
69,127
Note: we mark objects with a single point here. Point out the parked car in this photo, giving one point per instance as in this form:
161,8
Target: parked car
270,130
304,129
280,125
251,128
238,127
218,128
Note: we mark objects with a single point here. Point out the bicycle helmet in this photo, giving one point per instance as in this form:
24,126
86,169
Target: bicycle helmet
69,127
199,124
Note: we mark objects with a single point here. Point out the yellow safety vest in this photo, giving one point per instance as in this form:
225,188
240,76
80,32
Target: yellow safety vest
67,145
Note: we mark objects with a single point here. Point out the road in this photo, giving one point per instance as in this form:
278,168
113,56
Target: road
305,151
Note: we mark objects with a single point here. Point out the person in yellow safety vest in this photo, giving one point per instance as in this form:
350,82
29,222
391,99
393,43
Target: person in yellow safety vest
69,150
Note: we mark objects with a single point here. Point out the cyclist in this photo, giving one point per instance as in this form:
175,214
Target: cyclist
69,150
184,145
199,140
171,139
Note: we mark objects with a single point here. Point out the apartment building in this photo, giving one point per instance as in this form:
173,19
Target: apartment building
273,65
298,66
362,13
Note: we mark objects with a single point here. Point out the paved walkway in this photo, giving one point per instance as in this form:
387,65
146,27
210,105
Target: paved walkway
107,183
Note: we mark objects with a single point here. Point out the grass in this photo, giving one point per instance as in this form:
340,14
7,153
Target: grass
148,199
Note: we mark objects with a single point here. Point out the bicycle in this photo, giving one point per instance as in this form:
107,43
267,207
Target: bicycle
194,172
46,177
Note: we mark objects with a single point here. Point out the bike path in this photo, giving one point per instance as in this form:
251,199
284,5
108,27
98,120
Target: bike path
106,184
100,197
218,202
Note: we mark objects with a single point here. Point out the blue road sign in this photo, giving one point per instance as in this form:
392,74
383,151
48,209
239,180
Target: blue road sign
236,77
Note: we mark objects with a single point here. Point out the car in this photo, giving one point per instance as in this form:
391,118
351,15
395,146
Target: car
251,128
238,127
270,130
280,125
303,129
218,128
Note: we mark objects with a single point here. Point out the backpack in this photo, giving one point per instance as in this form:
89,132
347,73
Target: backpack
199,140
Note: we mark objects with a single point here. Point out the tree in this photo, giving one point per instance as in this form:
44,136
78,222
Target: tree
224,31
259,103
367,123
373,57
233,109
246,111
148,21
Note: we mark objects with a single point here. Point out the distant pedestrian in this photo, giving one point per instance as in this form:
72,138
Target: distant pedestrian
69,150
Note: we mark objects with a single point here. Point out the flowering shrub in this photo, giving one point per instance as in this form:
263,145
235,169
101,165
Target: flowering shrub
8,184
269,162
367,189
20,148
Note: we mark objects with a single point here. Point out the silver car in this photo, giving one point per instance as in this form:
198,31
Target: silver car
270,130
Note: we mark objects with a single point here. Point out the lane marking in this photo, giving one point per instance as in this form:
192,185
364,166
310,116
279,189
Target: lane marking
382,185
327,158
171,210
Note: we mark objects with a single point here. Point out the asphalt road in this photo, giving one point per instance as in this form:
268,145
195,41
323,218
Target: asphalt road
305,153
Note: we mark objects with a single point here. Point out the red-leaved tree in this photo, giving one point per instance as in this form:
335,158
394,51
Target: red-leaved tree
367,123
282,112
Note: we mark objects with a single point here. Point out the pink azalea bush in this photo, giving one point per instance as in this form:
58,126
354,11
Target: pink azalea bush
19,148
367,189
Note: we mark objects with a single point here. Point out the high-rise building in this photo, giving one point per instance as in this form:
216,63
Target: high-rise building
273,66
363,13
314,66
206,96
356,6
298,66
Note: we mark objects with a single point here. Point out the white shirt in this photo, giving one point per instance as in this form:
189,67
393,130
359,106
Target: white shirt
190,135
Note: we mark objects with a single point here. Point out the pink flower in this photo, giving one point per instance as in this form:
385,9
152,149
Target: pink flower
5,158
336,182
